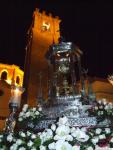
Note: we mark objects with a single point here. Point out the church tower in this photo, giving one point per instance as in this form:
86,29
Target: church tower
43,32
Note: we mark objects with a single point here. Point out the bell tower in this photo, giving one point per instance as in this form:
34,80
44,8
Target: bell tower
43,32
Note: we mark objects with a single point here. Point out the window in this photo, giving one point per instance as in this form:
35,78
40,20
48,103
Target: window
1,93
4,75
46,26
17,79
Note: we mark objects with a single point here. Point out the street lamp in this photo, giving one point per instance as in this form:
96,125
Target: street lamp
14,104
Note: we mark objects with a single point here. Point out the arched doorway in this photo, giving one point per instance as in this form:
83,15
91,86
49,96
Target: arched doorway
18,80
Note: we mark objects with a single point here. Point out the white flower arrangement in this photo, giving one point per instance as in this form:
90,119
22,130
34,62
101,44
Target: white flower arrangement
29,115
101,137
102,110
59,136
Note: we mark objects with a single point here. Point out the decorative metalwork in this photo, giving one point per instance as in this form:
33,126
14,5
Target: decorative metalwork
63,47
11,120
63,99
89,121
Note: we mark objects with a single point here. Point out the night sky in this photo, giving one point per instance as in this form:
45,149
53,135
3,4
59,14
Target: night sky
88,24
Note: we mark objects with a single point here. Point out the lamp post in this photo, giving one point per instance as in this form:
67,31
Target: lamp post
14,104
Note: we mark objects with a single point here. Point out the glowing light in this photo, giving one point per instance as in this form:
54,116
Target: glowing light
16,90
8,81
16,93
58,54
67,54
46,25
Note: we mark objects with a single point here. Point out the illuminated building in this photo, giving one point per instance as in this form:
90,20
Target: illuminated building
43,32
9,74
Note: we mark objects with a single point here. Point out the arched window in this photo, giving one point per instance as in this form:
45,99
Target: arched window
4,75
1,92
17,79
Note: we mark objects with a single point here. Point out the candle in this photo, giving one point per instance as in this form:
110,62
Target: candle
16,93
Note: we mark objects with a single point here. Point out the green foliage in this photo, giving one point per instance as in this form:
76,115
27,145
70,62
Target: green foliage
37,142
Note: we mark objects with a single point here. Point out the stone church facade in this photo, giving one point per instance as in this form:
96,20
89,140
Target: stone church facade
43,32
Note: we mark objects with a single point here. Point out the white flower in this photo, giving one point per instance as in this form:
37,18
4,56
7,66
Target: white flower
1,136
33,136
76,147
99,113
63,121
42,147
9,138
102,112
21,114
82,138
37,113
101,107
106,107
99,101
83,129
45,135
22,134
111,140
98,131
39,133
69,138
34,109
20,119
51,146
62,131
62,145
40,108
73,129
57,137
28,133
53,127
107,130
19,142
96,108
49,133
80,135
13,147
27,114
110,105
32,114
95,140
25,107
90,148
30,143
102,136
104,101
74,133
